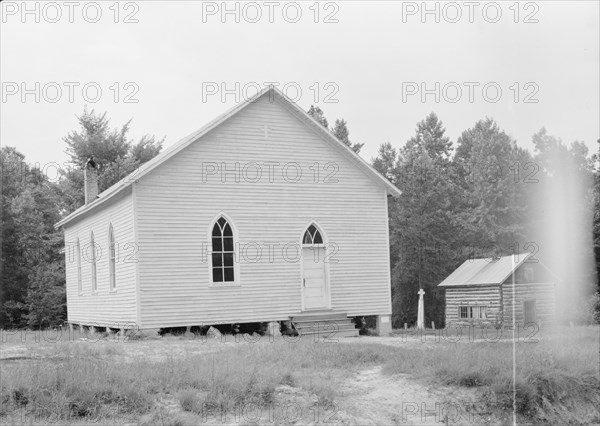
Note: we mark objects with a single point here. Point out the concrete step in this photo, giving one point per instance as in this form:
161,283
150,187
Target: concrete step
326,325
327,335
326,328
328,322
318,316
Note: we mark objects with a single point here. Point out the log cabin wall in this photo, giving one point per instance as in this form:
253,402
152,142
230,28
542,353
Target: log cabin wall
533,284
486,296
542,294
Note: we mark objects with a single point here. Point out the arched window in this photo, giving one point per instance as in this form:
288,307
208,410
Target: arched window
111,258
93,262
312,236
222,252
79,282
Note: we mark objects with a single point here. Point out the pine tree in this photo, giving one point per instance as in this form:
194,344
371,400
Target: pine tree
339,130
422,229
317,114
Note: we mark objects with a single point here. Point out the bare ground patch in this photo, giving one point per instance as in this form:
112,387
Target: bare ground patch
373,398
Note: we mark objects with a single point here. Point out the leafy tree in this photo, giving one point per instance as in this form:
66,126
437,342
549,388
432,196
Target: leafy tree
32,291
339,130
596,221
317,114
30,242
430,138
566,210
46,299
146,149
116,155
491,171
386,161
15,173
422,230
37,211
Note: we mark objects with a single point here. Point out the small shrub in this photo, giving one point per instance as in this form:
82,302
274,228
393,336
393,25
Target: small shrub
20,396
288,380
287,329
188,400
471,379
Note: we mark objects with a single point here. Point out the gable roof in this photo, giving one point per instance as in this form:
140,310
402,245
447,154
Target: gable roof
484,271
172,150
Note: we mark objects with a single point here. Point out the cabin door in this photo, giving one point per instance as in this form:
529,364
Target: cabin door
314,273
529,311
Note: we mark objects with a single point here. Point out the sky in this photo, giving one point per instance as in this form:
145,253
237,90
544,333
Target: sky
382,66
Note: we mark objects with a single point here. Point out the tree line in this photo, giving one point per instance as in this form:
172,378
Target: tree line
483,196
32,293
479,196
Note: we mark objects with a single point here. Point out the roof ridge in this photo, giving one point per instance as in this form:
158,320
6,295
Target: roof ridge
189,139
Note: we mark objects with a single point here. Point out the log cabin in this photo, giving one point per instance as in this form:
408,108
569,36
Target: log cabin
487,292
262,215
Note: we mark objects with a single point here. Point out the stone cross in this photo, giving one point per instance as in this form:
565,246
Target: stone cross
421,310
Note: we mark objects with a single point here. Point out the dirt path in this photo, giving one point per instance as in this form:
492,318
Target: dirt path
373,398
368,397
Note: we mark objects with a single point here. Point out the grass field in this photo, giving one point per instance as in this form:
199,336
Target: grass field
187,380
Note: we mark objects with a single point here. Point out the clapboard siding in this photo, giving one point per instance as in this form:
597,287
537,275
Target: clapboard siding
542,293
105,308
175,206
489,296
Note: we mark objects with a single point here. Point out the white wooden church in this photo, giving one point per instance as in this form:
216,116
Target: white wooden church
261,215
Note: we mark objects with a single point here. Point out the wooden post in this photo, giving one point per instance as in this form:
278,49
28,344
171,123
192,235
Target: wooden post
433,325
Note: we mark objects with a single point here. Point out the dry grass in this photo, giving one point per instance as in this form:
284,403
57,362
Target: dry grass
82,381
557,378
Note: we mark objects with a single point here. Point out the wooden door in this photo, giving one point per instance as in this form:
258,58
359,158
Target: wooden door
314,279
529,311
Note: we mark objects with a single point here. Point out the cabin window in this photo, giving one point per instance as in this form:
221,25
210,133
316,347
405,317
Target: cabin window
312,236
222,252
111,259
93,262
472,312
79,282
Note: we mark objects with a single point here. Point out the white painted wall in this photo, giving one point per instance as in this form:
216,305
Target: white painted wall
105,308
175,206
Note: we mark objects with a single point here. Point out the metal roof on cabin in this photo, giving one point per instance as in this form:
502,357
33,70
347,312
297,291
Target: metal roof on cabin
486,271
